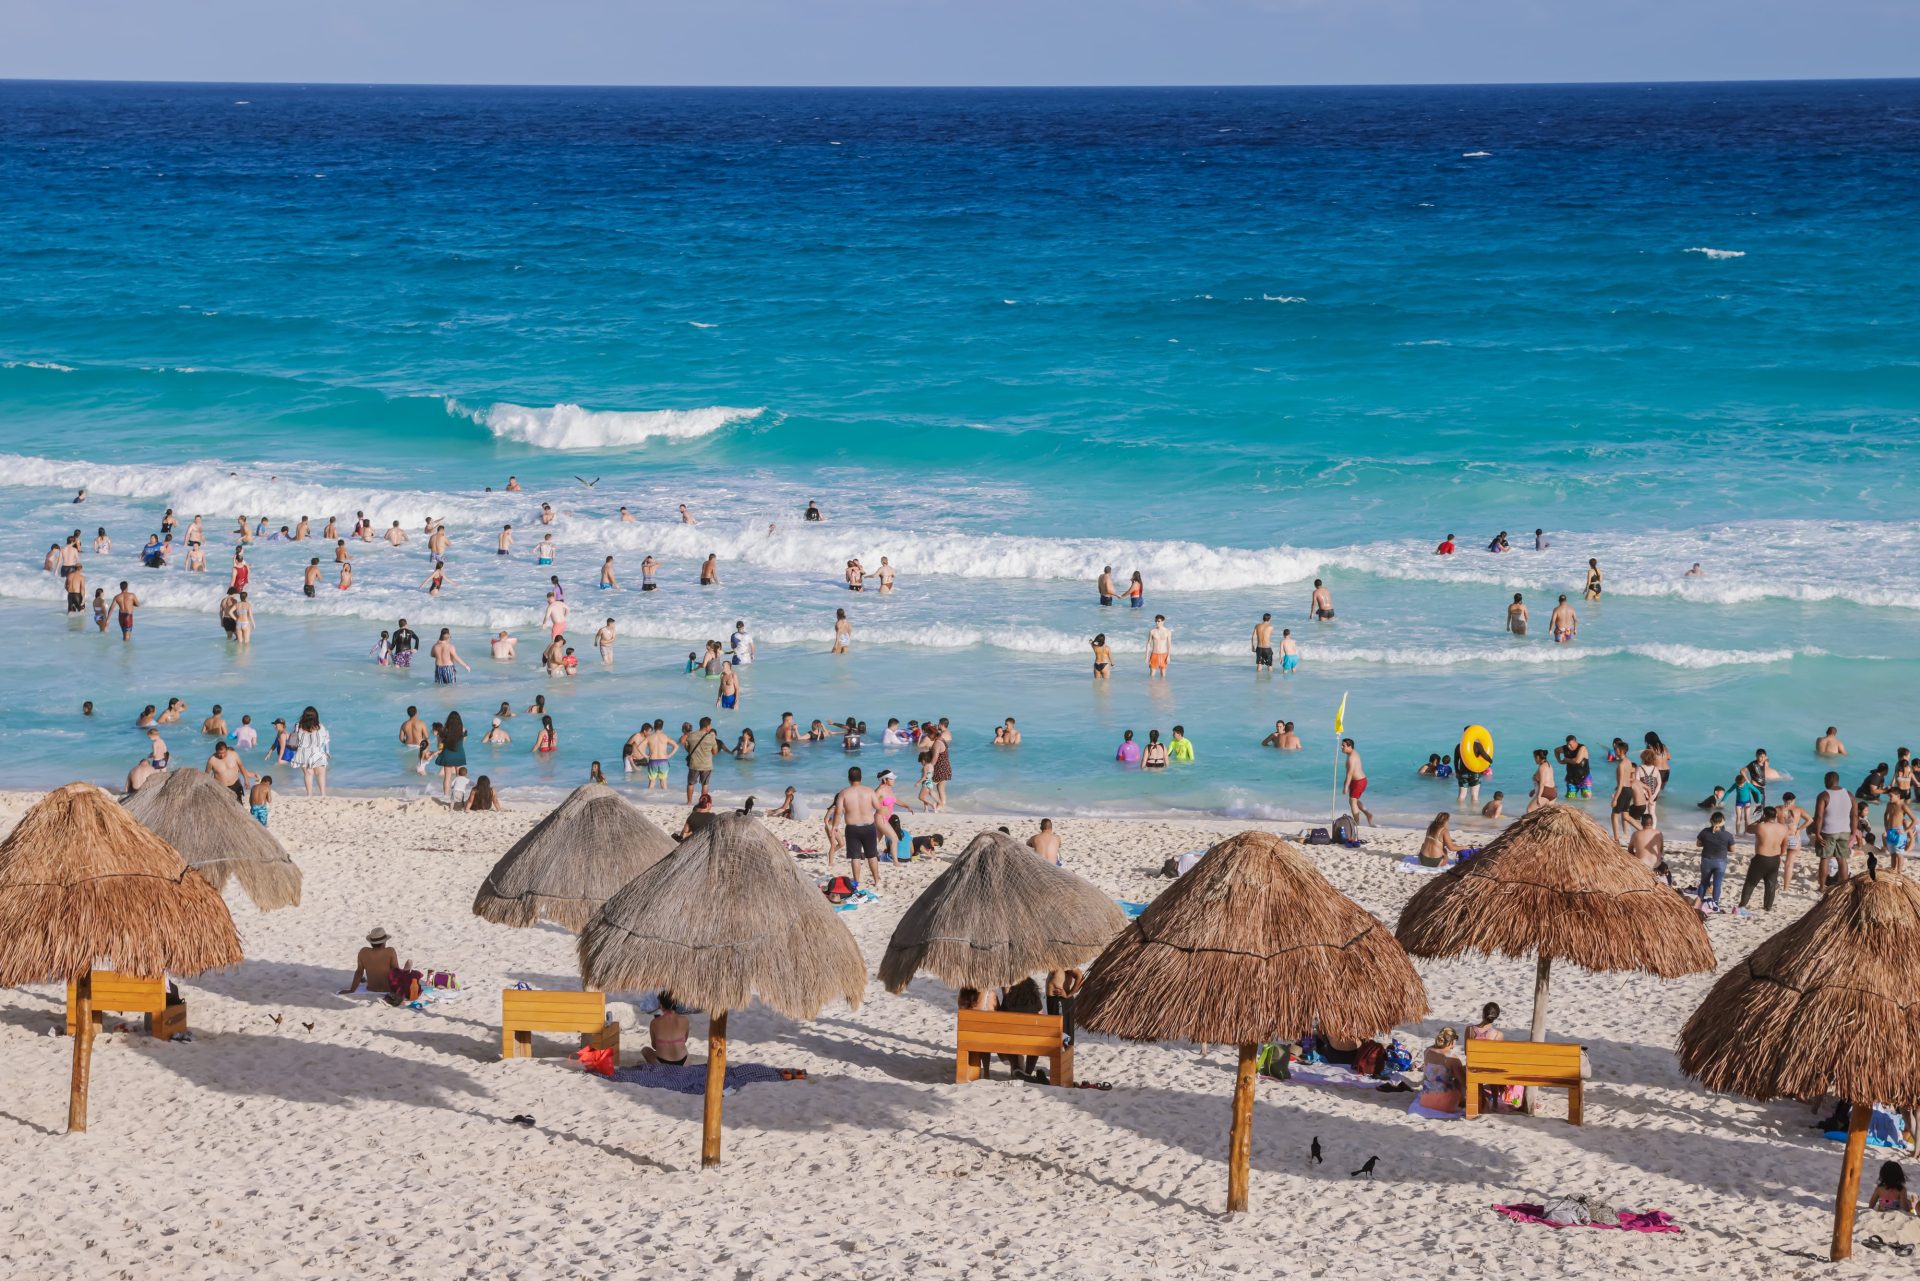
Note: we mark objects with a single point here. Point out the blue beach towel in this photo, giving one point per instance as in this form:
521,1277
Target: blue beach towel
691,1078
1131,909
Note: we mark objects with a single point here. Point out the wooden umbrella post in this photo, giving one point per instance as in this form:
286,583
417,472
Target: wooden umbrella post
1240,1147
1542,975
83,1054
1860,1114
716,1085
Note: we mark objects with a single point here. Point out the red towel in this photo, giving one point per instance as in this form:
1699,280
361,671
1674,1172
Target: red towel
1630,1220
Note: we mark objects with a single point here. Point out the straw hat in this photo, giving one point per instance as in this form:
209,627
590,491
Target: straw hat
376,936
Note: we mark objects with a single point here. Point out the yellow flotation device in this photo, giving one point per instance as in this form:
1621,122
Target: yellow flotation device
1476,749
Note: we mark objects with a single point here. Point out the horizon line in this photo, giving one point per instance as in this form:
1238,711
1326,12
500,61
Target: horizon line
980,88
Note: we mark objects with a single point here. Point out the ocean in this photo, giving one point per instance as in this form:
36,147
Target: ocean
1236,339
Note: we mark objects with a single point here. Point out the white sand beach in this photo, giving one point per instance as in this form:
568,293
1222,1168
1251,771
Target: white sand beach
378,1143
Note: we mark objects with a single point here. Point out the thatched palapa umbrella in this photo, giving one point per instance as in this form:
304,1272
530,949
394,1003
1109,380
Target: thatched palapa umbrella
80,881
1826,1007
1556,887
727,919
218,837
998,915
1253,944
574,860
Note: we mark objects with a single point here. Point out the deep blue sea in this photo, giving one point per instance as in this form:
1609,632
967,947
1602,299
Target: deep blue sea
1234,338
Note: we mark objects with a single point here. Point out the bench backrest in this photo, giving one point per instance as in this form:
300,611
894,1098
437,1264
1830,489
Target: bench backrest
1534,1058
553,1011
1006,1033
123,993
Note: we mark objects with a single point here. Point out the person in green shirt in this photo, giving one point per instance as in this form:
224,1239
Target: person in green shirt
1181,748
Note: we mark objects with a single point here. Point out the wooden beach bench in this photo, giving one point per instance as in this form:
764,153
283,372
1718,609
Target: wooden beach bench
1537,1064
130,994
524,1012
984,1033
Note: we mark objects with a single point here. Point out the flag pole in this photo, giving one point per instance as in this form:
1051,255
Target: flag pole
1339,728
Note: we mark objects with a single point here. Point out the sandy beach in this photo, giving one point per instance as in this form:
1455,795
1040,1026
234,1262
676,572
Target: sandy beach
378,1141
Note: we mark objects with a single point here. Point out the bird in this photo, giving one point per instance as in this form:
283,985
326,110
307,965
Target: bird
1313,1153
307,1026
276,1019
588,483
1365,1171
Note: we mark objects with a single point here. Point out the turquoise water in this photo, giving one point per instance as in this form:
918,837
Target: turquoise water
1236,339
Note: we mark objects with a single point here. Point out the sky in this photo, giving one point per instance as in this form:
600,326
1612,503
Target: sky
956,42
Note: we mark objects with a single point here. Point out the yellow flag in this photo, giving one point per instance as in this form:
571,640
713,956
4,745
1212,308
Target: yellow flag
1340,717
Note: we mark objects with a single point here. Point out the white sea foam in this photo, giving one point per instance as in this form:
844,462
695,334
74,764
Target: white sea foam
566,426
52,365
701,324
1280,298
1719,253
1474,155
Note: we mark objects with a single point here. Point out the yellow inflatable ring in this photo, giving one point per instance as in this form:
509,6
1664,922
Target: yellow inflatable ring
1476,749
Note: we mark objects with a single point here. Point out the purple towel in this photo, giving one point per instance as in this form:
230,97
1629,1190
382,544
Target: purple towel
1630,1221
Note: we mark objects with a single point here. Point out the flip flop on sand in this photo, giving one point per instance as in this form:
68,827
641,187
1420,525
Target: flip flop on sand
522,1119
1093,1085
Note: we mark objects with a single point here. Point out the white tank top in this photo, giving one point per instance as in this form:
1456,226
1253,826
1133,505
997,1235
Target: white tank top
1838,820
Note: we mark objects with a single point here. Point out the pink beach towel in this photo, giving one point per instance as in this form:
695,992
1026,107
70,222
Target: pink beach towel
1630,1221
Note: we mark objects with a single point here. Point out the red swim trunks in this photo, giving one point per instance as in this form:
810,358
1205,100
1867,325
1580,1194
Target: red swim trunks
1157,662
1357,788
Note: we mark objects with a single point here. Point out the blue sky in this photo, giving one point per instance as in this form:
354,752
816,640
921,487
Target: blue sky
945,42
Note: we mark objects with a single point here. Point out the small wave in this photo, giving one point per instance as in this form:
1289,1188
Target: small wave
566,426
1718,254
53,365
1475,155
1281,298
701,324
1426,342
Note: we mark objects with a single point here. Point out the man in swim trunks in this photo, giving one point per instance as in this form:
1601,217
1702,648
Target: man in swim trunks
405,642
1263,645
1356,781
1466,779
1517,616
710,570
445,656
503,546
1829,744
310,578
1446,547
1159,647
413,730
1105,586
1289,651
659,749
858,807
228,771
1320,606
648,566
1562,622
505,646
123,605
1573,756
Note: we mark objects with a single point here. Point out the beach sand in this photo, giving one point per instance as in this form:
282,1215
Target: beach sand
378,1143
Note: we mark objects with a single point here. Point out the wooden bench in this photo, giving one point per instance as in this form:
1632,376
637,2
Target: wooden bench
981,1034
130,994
1536,1064
524,1012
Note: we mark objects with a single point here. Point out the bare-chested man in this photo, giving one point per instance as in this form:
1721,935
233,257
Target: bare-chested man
124,603
1829,744
215,726
1563,623
1769,847
445,657
1356,781
710,570
505,646
228,770
858,807
1046,842
1649,846
395,534
1105,586
1263,645
1320,604
413,730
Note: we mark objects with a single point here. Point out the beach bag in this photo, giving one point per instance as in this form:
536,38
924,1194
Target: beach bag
1370,1059
593,1060
404,986
839,889
1567,1212
1343,830
1399,1057
1318,836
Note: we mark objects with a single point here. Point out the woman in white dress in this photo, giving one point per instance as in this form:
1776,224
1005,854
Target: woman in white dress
312,749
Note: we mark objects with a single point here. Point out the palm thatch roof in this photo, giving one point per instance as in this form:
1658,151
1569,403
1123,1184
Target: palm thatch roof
1826,1007
82,883
574,860
217,836
728,918
1253,944
1554,885
1000,914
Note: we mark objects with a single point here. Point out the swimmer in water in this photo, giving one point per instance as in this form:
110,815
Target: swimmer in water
1263,645
1517,616
603,641
1320,605
710,570
1695,572
1593,579
1289,651
1563,622
686,517
608,582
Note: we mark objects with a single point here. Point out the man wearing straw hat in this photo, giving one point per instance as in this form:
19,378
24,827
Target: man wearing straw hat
374,966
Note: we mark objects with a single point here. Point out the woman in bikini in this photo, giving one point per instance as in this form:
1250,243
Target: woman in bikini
668,1032
1102,658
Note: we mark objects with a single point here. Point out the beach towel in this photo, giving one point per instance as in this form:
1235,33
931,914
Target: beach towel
1412,866
1433,1114
1132,910
691,1078
859,900
1630,1220
1884,1130
1334,1075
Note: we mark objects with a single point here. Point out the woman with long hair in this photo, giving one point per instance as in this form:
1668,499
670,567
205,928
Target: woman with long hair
453,750
312,751
483,797
547,741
